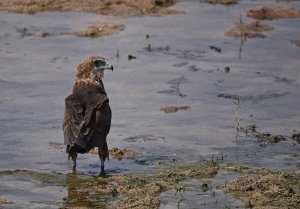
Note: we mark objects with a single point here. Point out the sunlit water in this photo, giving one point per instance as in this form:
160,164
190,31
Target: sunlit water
180,69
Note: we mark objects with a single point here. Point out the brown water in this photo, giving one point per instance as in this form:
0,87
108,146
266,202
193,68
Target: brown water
181,69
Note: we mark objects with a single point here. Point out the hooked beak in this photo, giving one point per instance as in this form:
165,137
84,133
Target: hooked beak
103,65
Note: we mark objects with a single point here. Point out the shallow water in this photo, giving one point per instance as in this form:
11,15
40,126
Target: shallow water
181,69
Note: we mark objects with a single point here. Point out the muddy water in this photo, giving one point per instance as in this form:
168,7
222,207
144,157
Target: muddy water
174,66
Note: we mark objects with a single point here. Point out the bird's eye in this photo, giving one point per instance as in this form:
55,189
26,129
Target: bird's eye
99,63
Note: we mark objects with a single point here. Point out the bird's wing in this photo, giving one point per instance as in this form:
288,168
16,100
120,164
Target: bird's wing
96,121
80,109
93,101
73,118
103,118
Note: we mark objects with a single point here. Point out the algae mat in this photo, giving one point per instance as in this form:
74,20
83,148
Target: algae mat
256,188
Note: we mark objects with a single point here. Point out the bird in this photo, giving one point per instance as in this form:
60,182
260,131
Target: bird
87,116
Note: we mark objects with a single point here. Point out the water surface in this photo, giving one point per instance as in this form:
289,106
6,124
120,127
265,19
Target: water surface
180,69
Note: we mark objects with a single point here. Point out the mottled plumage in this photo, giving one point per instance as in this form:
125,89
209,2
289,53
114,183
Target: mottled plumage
87,117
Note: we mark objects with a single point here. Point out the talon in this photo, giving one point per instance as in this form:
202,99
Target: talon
102,174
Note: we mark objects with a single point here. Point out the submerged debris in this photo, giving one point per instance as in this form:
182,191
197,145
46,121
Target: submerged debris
125,153
256,187
266,138
267,13
4,201
144,138
124,8
41,177
296,136
227,69
246,170
225,2
204,187
119,154
131,57
198,171
146,202
296,42
96,30
286,0
172,109
43,34
251,30
217,49
132,191
100,29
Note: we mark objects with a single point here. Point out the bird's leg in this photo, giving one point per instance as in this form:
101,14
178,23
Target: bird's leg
102,172
73,155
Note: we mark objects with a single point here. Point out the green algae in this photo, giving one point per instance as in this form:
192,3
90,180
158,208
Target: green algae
266,138
271,190
132,191
144,191
245,169
256,187
265,189
42,179
208,169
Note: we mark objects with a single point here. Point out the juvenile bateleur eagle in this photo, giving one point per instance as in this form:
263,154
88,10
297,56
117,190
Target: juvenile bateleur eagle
87,117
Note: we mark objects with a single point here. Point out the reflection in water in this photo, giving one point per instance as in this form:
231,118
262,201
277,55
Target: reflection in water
241,47
82,192
174,87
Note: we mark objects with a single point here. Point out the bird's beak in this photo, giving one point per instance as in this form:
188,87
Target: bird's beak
103,65
109,66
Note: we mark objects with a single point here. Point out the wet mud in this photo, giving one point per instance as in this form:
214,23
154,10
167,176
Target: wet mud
98,30
173,109
124,153
266,13
3,201
265,138
224,2
255,187
114,153
296,42
296,136
118,191
95,30
251,30
122,8
266,189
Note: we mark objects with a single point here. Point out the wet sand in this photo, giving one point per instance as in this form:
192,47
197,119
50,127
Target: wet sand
265,13
122,8
251,30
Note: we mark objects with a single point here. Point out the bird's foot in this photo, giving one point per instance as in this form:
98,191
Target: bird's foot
102,172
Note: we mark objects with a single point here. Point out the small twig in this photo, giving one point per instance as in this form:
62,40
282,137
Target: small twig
178,204
237,119
177,87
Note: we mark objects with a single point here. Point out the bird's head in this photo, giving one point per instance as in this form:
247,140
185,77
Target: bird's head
93,68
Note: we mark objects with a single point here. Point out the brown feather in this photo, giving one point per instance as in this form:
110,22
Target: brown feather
87,117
